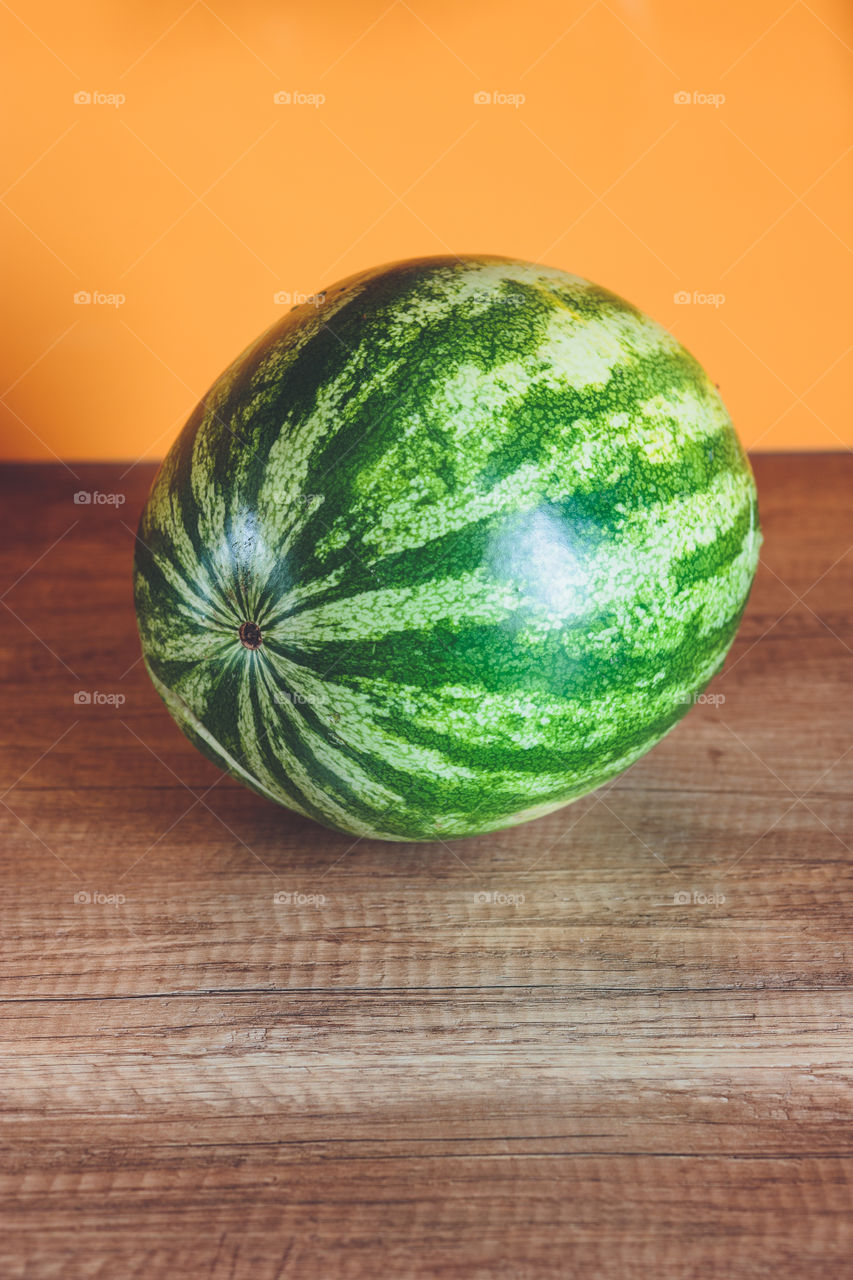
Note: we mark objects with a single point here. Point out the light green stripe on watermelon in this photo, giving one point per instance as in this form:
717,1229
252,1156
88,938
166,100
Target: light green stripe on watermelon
495,528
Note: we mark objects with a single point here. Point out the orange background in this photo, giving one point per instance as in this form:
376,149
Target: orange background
199,198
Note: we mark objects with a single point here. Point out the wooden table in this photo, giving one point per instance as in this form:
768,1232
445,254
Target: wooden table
613,1042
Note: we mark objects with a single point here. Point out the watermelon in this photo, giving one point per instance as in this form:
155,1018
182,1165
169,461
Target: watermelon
450,545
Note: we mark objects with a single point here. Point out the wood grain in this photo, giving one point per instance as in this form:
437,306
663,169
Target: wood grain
614,1042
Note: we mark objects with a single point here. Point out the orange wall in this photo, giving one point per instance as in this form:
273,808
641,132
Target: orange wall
199,198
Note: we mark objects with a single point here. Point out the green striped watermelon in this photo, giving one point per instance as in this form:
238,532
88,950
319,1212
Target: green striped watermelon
447,547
